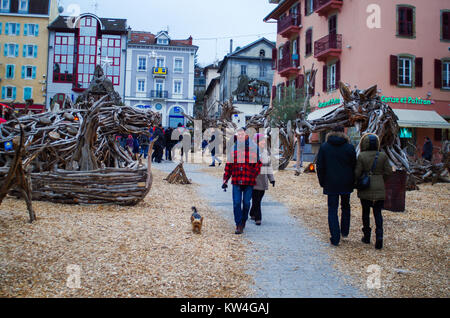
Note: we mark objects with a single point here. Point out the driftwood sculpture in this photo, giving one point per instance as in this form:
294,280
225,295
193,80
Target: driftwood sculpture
82,162
16,176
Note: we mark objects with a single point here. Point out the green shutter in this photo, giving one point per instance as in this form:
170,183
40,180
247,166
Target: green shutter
6,28
23,71
25,29
36,30
3,92
34,72
24,50
5,52
0,28
14,91
27,93
17,50
13,67
17,28
35,49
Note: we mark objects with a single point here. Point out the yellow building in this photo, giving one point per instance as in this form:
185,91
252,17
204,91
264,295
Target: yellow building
24,50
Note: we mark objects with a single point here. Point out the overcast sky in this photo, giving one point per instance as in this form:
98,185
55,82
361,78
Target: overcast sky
205,20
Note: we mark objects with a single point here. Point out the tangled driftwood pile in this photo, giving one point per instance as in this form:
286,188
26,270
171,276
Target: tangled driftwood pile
82,162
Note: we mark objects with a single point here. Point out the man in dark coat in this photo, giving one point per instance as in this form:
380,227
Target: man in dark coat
336,163
169,143
159,144
427,153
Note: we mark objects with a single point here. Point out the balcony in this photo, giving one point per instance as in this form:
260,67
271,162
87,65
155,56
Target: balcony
323,7
157,94
288,65
328,46
289,26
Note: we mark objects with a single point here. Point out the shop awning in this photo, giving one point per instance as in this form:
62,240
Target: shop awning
420,119
322,112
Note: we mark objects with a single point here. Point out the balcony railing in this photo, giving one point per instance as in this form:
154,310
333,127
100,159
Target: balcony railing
329,45
288,65
322,7
289,25
159,94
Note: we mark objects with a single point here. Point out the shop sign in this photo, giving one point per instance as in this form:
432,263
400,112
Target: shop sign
334,101
407,100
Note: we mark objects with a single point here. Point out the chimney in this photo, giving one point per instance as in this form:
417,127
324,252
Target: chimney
231,46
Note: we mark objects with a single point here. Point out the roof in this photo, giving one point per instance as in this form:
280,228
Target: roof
236,53
322,112
279,10
148,38
108,24
420,119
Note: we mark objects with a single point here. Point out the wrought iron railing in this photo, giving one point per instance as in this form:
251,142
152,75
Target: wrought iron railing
159,94
330,41
290,20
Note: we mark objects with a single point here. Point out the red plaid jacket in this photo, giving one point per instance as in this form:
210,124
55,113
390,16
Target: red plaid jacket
244,168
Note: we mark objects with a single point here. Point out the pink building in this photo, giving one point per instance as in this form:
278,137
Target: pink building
403,46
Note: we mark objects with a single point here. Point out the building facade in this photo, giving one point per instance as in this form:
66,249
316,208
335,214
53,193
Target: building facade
402,46
160,75
24,51
212,93
76,46
254,62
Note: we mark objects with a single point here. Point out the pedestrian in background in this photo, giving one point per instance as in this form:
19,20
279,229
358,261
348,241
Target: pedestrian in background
212,148
336,162
427,152
376,165
263,179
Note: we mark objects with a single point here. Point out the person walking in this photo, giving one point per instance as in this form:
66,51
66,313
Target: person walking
129,145
159,144
243,168
135,147
336,162
263,179
376,165
144,141
169,143
427,152
212,146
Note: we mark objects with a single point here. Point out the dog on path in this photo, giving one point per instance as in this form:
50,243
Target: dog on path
196,221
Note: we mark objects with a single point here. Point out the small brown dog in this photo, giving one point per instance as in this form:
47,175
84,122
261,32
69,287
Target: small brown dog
196,221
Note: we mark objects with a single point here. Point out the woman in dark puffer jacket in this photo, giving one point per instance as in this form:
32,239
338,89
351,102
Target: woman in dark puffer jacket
374,196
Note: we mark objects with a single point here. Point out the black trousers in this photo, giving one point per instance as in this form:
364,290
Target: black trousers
377,206
157,153
255,211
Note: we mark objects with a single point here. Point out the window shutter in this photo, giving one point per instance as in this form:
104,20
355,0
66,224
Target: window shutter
283,91
34,72
338,74
306,8
274,92
3,92
446,25
419,71
437,74
300,81
36,30
325,78
5,51
14,93
13,71
17,50
17,29
6,28
25,29
394,69
24,50
274,58
23,71
35,51
0,28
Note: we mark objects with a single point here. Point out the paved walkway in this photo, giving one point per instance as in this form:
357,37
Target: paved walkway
288,261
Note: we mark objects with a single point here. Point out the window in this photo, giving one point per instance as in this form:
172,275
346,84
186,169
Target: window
141,85
177,86
87,52
178,65
262,71
8,92
446,75
163,41
160,62
309,7
11,50
159,85
4,5
23,6
30,51
10,70
445,22
28,72
27,93
63,65
404,71
405,21
308,44
111,52
12,28
31,29
142,63
243,69
262,53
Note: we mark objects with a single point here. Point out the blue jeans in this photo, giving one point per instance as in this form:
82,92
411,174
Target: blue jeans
242,196
333,219
144,151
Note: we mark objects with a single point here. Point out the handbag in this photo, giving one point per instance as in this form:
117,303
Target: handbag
364,181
